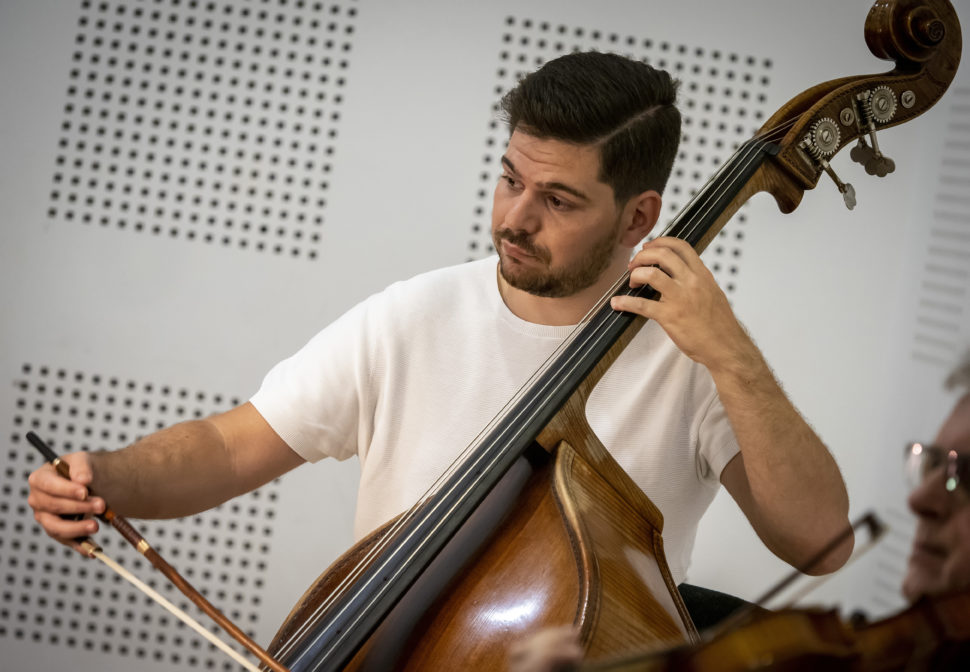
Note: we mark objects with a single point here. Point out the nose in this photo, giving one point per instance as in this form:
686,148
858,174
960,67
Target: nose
523,214
930,499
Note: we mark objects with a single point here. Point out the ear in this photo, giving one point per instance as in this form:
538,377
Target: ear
640,214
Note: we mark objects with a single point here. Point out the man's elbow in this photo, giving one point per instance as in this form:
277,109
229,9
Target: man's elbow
828,551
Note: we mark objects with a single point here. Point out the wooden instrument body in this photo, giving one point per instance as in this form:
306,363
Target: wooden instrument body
556,542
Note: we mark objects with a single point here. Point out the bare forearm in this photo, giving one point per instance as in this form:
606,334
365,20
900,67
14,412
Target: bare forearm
786,481
175,472
797,495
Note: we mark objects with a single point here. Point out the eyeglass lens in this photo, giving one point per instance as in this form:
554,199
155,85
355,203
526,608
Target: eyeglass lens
924,460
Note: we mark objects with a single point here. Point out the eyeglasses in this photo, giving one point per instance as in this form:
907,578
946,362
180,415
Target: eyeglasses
924,460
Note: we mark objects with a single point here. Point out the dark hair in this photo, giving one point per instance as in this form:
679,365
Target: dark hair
625,106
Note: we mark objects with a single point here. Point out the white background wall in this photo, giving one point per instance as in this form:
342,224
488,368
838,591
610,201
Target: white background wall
838,301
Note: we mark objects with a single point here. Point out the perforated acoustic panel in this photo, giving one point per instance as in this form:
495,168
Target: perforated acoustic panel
721,99
210,122
52,596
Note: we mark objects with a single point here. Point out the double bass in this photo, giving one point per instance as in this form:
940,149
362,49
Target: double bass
536,524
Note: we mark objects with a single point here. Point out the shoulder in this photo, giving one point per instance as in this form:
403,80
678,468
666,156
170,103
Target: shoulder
450,287
468,274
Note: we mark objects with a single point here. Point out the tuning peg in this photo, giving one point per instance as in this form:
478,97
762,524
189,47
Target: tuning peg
861,153
848,195
880,165
874,106
877,164
816,151
846,189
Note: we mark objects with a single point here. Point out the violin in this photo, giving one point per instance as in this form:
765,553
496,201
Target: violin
930,635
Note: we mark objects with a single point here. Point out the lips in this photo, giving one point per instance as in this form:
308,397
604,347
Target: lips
515,251
928,551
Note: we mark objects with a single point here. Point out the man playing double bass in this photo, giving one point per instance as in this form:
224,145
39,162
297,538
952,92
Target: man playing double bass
406,379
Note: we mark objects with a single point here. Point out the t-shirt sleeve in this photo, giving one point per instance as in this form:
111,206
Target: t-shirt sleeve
717,444
312,399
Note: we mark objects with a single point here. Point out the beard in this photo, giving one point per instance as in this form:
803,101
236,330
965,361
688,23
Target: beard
546,280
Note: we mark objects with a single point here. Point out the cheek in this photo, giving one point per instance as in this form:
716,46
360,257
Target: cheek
499,209
959,560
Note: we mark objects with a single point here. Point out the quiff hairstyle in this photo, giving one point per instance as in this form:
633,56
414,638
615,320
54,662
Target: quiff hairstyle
626,107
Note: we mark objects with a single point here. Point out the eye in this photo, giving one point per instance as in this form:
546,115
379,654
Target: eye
963,468
932,460
556,203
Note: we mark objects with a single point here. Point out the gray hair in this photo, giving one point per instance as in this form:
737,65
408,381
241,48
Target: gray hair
960,376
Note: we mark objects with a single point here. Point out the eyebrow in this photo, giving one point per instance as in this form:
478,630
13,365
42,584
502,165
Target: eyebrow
550,186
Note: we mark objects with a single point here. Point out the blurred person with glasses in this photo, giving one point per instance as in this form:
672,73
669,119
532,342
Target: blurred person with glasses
939,473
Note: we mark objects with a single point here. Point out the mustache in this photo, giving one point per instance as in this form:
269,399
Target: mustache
522,240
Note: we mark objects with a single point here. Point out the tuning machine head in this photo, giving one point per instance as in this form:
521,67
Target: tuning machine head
822,142
876,106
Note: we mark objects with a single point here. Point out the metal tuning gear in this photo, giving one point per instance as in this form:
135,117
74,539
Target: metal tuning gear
881,104
877,106
822,142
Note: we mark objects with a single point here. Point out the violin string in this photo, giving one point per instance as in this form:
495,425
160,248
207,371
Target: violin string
707,199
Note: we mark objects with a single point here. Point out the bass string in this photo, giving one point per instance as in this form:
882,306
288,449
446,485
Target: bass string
437,486
527,388
471,457
568,342
402,521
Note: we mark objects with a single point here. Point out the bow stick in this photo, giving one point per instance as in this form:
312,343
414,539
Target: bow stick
133,537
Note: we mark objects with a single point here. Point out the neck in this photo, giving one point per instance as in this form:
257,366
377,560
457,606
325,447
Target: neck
560,311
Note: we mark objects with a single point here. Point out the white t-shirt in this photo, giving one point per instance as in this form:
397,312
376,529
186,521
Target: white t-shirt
409,377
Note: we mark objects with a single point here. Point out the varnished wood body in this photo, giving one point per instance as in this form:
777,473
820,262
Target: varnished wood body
555,543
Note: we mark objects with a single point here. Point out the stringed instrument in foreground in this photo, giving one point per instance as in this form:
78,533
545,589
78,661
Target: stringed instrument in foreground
536,525
932,635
